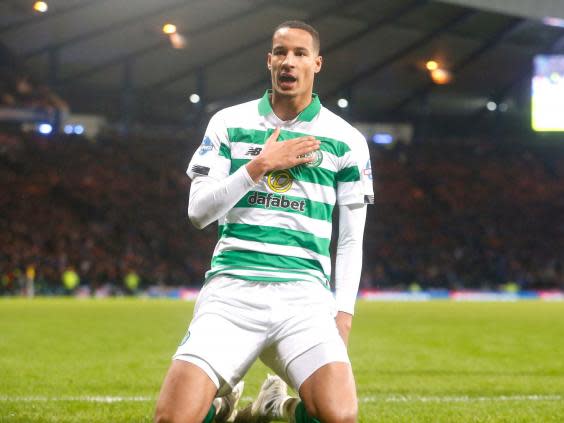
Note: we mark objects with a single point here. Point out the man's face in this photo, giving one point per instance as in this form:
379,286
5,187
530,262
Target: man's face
293,62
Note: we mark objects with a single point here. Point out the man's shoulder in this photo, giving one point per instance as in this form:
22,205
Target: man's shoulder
337,127
238,112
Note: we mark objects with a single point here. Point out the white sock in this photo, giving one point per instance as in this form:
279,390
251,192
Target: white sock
289,409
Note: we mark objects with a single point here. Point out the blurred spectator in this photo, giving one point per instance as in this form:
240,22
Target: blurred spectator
463,213
131,281
70,279
19,90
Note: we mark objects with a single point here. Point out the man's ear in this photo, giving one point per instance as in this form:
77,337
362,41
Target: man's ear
318,64
268,61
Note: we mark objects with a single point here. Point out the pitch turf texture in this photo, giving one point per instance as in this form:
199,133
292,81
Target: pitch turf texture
68,360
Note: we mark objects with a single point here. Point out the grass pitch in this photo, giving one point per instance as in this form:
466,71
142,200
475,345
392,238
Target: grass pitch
68,360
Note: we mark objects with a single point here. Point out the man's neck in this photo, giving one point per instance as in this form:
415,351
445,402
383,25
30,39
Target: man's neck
286,107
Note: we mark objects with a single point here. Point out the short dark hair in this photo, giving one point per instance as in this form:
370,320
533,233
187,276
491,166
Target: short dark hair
301,25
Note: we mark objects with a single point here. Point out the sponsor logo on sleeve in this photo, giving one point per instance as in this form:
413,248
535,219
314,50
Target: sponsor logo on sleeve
201,170
367,171
206,146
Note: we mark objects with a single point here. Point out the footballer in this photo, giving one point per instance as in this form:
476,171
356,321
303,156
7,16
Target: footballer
270,172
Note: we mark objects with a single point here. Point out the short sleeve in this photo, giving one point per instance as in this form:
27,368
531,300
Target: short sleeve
213,156
354,177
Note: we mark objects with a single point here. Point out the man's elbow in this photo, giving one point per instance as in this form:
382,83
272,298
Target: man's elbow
198,224
196,219
349,242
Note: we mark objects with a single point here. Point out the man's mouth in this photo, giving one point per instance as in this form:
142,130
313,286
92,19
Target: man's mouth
287,79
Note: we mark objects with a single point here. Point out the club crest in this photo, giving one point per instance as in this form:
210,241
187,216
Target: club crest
185,338
317,158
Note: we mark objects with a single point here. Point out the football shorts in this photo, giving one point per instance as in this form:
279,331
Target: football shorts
290,326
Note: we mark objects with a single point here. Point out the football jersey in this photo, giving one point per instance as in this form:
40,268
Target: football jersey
280,230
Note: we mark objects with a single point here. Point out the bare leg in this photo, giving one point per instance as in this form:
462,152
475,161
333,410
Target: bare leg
329,394
186,395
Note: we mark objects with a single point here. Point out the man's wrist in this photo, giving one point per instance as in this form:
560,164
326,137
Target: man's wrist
344,325
257,168
345,317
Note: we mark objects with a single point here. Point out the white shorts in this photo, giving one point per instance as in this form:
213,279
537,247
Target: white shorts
290,326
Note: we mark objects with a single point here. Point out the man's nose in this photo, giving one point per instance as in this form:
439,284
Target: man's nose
289,60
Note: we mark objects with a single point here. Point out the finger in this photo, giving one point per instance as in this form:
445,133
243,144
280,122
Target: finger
274,136
297,162
300,140
303,149
302,160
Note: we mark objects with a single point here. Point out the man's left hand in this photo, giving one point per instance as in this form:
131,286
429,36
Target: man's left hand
344,324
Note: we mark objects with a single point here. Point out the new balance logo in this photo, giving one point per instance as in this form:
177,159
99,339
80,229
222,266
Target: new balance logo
254,151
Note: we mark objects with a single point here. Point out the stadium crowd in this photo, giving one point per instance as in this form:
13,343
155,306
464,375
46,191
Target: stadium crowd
467,213
455,213
23,96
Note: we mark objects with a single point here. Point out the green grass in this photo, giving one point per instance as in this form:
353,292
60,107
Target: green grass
414,362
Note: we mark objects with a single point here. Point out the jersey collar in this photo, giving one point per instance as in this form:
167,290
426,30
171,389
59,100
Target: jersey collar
306,114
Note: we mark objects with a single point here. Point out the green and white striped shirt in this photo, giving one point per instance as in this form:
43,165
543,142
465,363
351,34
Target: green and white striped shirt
280,230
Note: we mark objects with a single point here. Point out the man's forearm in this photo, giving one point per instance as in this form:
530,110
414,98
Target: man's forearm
348,266
210,199
257,168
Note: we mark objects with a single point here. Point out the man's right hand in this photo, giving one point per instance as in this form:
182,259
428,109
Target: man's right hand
281,155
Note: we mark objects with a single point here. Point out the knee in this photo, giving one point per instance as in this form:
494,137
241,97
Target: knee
339,415
163,415
335,413
166,414
170,413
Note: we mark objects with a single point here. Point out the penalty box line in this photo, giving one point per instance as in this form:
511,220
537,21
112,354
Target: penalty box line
363,399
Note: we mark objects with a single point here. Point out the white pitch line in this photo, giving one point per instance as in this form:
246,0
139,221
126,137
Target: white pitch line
365,399
464,398
106,399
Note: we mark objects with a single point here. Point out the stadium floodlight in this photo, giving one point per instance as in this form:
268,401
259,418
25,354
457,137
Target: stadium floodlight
177,40
343,103
40,6
491,106
431,65
382,138
45,128
79,129
194,98
441,76
552,21
169,28
68,129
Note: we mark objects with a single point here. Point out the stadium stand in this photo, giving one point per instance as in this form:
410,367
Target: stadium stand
25,99
467,213
454,213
